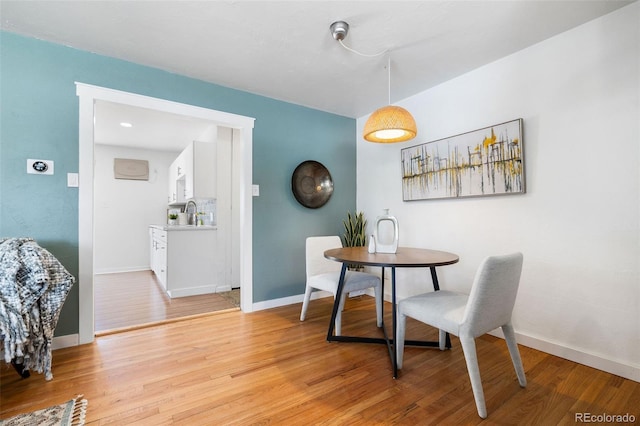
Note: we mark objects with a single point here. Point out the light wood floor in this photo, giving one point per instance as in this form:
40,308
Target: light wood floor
131,299
267,367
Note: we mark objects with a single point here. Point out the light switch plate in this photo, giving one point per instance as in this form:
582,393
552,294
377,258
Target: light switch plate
72,180
39,167
255,190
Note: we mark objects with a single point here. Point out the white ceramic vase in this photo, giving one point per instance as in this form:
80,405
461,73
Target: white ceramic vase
372,244
386,233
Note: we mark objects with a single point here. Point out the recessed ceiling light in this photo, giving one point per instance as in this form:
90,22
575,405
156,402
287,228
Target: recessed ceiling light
123,124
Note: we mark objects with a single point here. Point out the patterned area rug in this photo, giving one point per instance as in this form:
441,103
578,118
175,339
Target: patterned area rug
67,414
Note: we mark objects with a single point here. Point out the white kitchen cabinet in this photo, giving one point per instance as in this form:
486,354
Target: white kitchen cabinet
200,170
184,260
177,181
158,254
193,173
172,197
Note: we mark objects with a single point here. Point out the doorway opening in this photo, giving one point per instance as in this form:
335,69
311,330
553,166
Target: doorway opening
242,136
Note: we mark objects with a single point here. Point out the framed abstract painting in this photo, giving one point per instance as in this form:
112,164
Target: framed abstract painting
487,161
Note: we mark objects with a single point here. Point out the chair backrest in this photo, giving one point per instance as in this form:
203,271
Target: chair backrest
316,263
493,294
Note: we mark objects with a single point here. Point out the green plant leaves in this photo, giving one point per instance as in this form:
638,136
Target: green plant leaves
354,230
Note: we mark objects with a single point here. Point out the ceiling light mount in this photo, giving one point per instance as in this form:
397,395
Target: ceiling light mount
339,30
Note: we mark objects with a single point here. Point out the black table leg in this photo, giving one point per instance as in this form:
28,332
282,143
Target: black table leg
391,343
356,339
394,319
382,290
434,278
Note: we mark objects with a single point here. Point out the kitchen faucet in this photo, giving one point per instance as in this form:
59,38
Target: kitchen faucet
192,216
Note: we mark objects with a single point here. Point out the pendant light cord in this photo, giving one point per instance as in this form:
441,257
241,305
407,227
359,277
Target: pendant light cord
360,53
373,56
389,77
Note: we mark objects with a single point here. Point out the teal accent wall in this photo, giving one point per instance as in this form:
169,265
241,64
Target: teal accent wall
39,119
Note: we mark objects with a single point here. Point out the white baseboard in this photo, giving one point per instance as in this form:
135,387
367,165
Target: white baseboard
275,303
67,341
191,291
631,372
197,291
121,270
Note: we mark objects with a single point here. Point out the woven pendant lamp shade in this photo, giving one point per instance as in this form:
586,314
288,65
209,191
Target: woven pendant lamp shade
390,124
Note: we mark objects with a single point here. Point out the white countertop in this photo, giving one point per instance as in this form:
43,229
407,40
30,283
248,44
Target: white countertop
185,227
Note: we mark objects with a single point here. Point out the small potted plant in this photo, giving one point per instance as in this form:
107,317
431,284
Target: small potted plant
355,233
173,219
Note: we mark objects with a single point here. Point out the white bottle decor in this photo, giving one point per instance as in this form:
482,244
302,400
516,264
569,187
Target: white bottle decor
372,244
386,239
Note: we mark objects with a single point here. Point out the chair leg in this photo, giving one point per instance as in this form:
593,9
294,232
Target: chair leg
305,302
471,357
510,337
401,321
442,339
379,301
343,299
338,323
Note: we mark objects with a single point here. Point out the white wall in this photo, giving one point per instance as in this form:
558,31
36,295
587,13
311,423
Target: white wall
578,223
124,209
228,235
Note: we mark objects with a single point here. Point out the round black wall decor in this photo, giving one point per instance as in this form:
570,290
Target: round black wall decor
311,184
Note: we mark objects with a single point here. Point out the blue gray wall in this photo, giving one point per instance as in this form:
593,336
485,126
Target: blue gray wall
39,119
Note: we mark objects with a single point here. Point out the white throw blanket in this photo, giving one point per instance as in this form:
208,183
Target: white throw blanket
33,288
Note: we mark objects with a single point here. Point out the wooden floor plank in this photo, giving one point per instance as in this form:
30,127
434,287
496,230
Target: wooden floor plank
267,367
131,299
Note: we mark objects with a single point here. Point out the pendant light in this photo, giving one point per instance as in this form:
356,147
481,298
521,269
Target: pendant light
391,123
388,124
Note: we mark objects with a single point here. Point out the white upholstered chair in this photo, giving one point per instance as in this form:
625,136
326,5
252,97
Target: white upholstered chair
488,307
324,274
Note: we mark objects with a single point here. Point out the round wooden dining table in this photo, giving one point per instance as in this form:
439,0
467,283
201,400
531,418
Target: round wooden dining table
404,257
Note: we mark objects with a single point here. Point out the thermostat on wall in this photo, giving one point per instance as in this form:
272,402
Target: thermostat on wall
39,167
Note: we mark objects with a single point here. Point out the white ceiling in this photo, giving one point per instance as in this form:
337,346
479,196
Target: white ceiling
284,50
150,129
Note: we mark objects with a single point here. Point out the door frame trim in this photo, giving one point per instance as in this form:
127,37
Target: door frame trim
243,148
